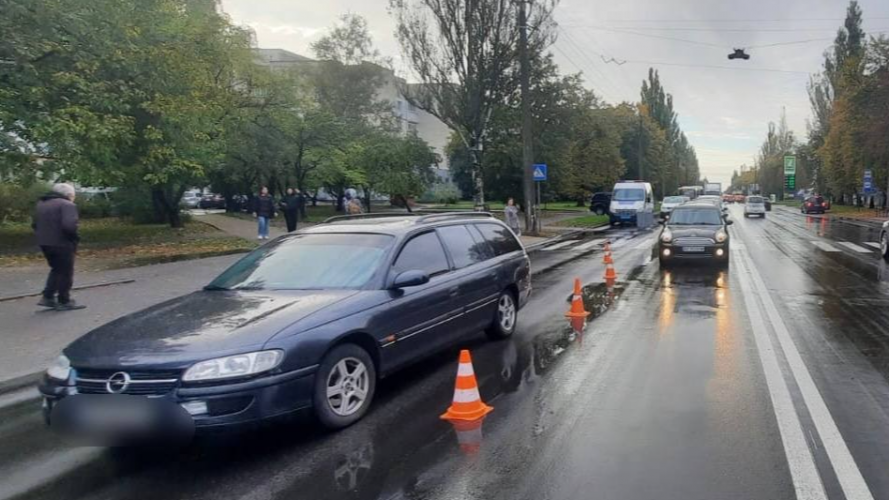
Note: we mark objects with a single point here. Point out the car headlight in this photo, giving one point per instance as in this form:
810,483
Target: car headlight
60,369
239,365
721,236
666,236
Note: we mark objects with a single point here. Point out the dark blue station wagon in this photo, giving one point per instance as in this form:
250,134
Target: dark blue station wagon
309,320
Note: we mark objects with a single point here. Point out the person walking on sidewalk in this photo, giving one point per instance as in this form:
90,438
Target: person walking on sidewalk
290,207
512,217
55,225
264,211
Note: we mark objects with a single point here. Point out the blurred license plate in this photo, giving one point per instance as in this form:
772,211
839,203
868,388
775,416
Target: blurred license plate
692,249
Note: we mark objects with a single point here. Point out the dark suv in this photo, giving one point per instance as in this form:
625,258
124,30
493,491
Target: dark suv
600,203
310,320
813,205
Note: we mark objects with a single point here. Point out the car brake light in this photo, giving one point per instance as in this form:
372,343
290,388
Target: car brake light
809,204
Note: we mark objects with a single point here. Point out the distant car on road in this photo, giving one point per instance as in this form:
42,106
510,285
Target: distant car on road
212,201
755,205
191,199
310,320
696,231
629,199
671,202
600,203
813,205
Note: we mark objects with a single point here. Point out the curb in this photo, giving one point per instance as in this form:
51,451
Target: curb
81,287
21,382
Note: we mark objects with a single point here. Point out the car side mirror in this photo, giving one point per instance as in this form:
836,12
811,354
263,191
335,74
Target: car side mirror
410,278
729,222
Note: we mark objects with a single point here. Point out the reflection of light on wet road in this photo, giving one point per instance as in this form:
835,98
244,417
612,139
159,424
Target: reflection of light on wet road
667,312
726,356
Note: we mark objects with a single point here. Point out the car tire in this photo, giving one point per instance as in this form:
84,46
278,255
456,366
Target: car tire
746,216
505,317
884,245
349,372
600,211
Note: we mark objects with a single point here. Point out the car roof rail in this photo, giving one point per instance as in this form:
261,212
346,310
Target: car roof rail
374,215
454,215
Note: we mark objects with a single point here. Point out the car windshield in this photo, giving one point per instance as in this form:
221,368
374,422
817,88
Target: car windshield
754,200
306,262
629,194
674,199
695,217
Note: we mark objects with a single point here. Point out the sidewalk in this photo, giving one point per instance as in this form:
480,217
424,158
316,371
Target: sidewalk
235,226
31,337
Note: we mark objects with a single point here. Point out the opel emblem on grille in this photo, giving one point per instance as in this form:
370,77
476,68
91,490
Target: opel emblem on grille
117,383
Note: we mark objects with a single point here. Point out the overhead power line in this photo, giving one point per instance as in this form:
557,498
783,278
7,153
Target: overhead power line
784,20
715,29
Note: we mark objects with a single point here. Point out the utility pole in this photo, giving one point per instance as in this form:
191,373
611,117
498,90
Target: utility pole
639,148
527,138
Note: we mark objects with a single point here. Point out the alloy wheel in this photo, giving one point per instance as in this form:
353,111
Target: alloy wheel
506,312
347,386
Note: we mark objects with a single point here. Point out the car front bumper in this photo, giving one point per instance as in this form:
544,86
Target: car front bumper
229,406
716,252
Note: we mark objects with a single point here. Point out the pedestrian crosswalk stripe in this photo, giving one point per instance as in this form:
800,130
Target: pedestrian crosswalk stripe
825,246
560,245
873,244
855,247
589,244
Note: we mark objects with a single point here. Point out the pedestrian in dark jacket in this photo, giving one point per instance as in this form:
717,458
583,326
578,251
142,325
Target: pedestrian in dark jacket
290,207
264,210
55,225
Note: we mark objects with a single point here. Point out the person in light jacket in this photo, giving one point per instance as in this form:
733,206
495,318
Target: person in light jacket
512,217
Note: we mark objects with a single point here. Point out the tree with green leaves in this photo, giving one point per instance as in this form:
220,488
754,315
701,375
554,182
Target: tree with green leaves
464,53
123,92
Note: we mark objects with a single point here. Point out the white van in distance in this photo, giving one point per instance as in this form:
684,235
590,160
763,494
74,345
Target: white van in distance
629,199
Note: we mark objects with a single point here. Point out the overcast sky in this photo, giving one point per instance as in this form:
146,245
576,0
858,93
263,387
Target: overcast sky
724,106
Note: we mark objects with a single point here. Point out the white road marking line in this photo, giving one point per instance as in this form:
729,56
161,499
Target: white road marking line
803,471
559,245
589,244
855,247
825,246
738,246
844,466
873,244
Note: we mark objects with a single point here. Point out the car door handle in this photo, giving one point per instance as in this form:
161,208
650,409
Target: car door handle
453,292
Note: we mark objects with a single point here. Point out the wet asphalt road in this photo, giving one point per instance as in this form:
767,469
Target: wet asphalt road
764,381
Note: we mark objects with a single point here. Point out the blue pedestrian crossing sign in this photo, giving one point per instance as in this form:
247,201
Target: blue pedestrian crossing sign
539,172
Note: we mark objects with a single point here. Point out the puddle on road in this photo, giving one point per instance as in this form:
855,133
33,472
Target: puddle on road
598,298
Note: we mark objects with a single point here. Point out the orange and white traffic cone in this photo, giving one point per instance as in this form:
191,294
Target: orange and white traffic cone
606,259
469,435
467,404
610,273
577,314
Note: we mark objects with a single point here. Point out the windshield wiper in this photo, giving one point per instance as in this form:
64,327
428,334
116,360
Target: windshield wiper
247,287
215,288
